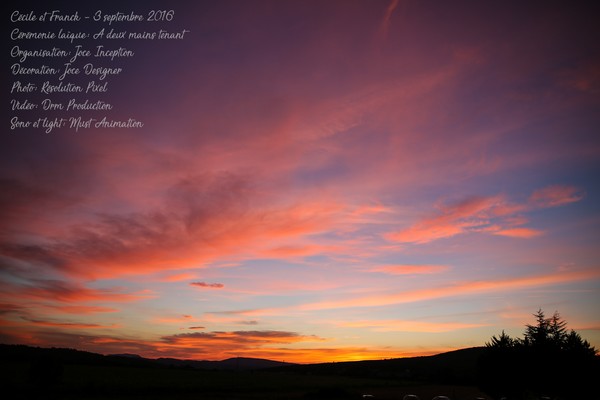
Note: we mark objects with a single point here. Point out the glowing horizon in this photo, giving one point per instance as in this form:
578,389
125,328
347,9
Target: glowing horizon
318,181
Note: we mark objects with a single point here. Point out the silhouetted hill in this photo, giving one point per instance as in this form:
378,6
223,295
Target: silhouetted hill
67,373
237,363
457,367
23,353
128,355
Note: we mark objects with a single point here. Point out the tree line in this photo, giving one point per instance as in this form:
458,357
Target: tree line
549,361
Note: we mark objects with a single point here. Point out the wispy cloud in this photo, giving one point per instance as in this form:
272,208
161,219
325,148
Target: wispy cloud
208,285
467,288
518,232
202,219
184,319
492,214
248,322
385,23
81,309
236,338
52,291
555,195
472,214
409,326
411,269
178,277
68,325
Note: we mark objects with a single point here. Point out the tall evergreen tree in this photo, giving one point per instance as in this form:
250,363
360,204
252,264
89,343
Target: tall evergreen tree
548,360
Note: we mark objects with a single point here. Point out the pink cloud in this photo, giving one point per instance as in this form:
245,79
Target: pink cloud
51,291
555,195
385,23
469,215
494,214
291,251
203,219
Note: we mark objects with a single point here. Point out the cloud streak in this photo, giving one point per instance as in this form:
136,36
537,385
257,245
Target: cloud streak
206,219
468,288
57,291
409,326
555,196
208,285
494,214
385,24
68,325
411,269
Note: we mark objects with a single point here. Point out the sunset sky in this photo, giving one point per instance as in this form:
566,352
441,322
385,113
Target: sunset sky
315,181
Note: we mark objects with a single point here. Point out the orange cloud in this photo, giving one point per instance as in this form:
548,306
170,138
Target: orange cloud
178,277
519,232
237,338
225,344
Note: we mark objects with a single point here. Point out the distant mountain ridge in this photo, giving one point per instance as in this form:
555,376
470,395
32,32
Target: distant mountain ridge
72,356
455,366
67,373
236,363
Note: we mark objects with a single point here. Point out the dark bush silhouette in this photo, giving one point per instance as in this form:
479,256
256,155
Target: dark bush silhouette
549,360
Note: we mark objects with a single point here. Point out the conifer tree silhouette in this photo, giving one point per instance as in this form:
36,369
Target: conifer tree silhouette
548,360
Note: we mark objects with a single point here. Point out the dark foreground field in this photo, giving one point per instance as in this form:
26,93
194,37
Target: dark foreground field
126,382
38,373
